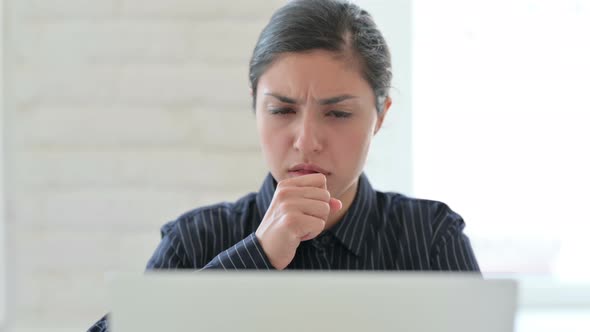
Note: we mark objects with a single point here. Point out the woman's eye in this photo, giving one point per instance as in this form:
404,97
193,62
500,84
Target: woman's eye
281,111
338,114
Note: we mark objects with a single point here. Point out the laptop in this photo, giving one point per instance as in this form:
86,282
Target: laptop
310,301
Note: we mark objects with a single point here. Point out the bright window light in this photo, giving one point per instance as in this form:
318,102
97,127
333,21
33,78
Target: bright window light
501,128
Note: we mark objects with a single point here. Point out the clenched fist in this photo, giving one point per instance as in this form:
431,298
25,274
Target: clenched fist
298,212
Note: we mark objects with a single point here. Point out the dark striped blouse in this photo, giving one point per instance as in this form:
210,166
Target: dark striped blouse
380,231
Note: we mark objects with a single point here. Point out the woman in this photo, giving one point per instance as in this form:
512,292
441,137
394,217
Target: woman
320,76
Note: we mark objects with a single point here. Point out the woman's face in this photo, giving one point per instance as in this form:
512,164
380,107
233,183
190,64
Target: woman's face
316,112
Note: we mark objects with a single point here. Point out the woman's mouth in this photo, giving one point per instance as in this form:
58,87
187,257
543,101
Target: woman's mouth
301,172
304,169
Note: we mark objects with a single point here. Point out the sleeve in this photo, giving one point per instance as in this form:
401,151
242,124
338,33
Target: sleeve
101,326
170,253
246,254
452,249
184,246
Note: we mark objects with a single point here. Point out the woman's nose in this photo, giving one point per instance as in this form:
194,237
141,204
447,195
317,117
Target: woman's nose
307,135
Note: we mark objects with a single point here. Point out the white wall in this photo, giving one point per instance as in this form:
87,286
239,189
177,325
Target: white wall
390,162
123,115
2,212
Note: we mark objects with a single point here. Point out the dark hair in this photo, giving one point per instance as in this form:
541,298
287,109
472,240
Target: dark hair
341,27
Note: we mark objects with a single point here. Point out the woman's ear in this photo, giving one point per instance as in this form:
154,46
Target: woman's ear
381,116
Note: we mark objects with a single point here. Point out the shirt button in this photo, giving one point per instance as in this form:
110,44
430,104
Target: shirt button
325,240
316,243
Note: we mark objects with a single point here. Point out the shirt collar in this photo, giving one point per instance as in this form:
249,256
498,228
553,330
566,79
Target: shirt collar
354,228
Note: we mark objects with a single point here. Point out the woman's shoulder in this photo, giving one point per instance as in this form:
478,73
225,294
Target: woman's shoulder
428,233
432,215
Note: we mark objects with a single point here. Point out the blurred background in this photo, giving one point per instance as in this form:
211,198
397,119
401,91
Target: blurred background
119,115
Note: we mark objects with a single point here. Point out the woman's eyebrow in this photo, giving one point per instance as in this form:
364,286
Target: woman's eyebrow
335,100
325,101
283,99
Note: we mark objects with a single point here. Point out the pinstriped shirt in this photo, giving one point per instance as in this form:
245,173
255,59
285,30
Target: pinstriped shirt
380,231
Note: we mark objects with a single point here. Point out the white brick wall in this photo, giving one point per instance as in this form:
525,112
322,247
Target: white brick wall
3,256
122,115
137,126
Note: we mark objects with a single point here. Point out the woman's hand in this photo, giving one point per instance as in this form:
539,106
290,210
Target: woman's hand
298,212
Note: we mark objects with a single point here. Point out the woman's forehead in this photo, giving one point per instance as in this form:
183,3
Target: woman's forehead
323,73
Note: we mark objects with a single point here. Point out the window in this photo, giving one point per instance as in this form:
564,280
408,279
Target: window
490,116
389,164
500,118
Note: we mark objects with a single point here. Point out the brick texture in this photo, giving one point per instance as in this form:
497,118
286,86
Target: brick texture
123,115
